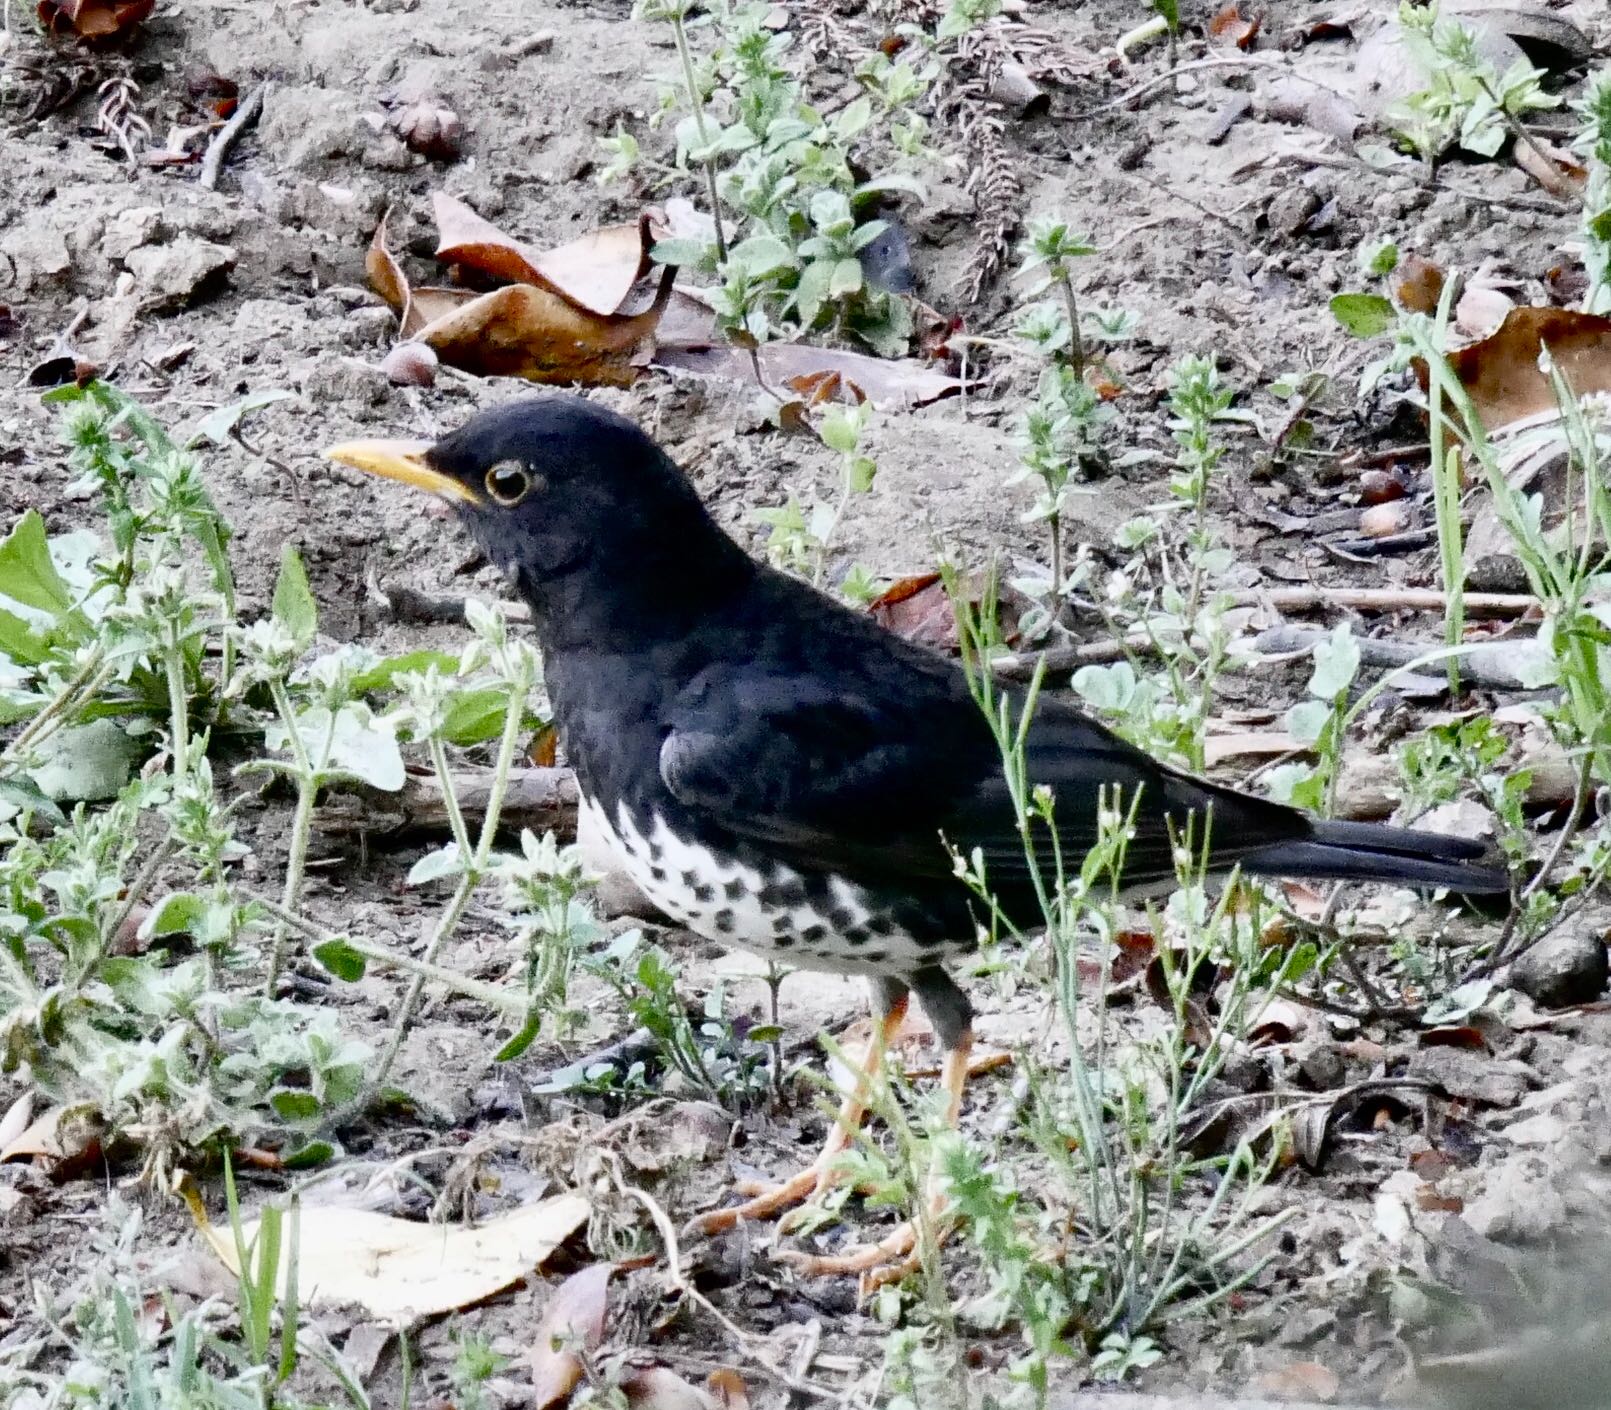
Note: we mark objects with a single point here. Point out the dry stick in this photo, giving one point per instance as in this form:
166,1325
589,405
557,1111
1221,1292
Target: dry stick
1243,61
218,150
1489,665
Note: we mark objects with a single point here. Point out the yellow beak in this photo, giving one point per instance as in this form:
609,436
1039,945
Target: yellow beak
401,460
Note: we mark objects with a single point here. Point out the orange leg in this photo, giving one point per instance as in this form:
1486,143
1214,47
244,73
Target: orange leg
894,1257
820,1174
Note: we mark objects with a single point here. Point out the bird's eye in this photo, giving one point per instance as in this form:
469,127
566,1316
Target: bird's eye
508,483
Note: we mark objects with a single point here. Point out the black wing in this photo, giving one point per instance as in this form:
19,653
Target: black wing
873,783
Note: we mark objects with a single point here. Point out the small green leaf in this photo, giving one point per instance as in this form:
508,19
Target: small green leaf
1363,315
761,255
383,672
294,606
679,251
86,763
25,795
475,716
180,913
846,279
1306,721
433,866
294,1104
312,1154
521,1040
339,957
27,573
21,642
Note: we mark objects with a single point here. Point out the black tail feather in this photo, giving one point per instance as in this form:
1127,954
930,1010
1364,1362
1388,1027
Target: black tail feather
1345,851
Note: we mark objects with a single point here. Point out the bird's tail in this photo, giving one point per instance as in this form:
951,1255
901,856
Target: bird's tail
1349,851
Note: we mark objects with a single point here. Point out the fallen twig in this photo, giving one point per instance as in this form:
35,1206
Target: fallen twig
542,799
218,150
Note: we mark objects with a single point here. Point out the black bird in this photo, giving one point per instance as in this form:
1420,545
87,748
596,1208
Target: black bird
778,772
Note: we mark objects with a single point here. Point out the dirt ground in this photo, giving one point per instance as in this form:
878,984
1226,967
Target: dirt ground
1226,226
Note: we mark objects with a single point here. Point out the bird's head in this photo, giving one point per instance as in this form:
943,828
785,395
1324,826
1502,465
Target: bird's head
563,495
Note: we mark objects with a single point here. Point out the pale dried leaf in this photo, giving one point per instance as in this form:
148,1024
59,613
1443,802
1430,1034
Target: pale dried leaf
400,1271
658,1388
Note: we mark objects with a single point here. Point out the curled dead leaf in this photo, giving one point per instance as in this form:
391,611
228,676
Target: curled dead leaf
1380,520
728,1388
1231,25
574,1317
1302,1380
659,1388
1501,373
93,19
1552,167
595,272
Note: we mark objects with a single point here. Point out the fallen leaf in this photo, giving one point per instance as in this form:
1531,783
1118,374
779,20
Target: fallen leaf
399,1270
1552,167
1454,1035
1302,1380
1481,309
526,331
1381,520
1417,284
1501,373
889,383
64,1144
18,1118
918,609
595,272
93,19
658,1388
729,1389
1430,1199
1279,1021
574,1316
1230,24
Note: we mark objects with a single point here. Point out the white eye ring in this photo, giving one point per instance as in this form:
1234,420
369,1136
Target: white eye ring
508,482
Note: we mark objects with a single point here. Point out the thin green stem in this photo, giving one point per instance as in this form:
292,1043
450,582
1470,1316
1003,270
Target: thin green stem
88,680
307,793
698,105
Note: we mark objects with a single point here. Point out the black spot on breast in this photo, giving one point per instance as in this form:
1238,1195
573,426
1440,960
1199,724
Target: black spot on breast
841,919
778,894
658,873
855,934
656,851
782,925
704,892
881,925
874,956
690,879
724,922
783,942
814,932
733,890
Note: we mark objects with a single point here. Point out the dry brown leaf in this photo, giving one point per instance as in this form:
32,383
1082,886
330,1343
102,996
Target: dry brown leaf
1230,24
918,609
658,1388
387,279
526,331
1380,520
595,272
1302,1380
574,1316
400,1270
1279,1021
729,1389
1417,285
1454,1035
65,1145
93,19
1552,167
1501,373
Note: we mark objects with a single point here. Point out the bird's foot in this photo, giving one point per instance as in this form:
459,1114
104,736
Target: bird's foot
767,1200
891,1259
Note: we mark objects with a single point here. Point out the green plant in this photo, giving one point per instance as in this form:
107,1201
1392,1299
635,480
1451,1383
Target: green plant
800,539
784,173
1466,100
1593,143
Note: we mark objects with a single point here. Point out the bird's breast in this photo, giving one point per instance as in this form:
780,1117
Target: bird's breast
732,893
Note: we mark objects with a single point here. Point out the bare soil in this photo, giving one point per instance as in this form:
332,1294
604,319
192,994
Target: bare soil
1225,239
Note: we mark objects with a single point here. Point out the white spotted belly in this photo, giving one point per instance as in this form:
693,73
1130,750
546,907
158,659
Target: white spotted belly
815,923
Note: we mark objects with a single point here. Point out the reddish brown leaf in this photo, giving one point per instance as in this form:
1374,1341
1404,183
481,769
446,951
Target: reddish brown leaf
1417,284
1380,486
574,1317
658,1388
1501,372
596,272
889,383
526,331
544,749
1428,1198
729,1389
93,19
919,610
1552,167
1230,24
1454,1035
